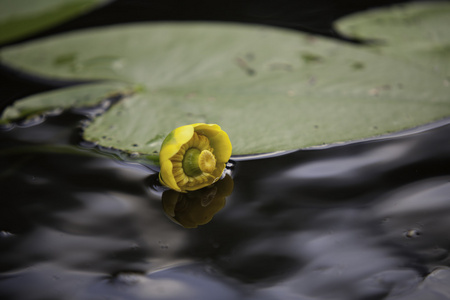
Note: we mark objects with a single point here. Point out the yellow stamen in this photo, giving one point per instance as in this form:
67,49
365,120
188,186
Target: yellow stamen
206,161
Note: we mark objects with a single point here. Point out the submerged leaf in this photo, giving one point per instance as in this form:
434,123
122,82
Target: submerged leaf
269,89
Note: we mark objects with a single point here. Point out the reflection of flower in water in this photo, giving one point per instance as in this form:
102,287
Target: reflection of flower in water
198,207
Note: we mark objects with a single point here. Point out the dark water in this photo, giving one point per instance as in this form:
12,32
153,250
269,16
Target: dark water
367,220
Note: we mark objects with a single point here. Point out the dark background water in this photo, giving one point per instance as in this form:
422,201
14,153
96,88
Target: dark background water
366,220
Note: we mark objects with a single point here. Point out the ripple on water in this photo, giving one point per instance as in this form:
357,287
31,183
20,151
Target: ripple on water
300,226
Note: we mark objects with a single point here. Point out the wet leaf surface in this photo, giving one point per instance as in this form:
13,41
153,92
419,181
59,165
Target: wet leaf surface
270,89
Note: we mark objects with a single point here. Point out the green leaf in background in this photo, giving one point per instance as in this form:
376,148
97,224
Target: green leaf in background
87,95
270,89
418,34
21,18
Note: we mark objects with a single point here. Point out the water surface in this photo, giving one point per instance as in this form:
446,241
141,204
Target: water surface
367,220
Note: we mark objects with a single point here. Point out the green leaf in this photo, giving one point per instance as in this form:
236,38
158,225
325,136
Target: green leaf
270,89
417,34
80,96
21,18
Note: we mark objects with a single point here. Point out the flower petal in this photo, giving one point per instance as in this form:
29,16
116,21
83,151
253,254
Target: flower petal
197,187
222,146
173,142
218,140
220,166
166,175
181,136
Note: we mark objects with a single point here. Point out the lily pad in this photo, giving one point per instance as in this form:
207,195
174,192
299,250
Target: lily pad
21,18
270,89
82,96
417,34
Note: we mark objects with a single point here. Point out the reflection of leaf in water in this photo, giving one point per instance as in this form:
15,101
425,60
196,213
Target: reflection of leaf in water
198,207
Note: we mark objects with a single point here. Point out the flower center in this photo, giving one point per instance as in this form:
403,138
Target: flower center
207,161
195,162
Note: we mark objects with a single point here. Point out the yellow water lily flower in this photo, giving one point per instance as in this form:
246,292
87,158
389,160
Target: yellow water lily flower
193,156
